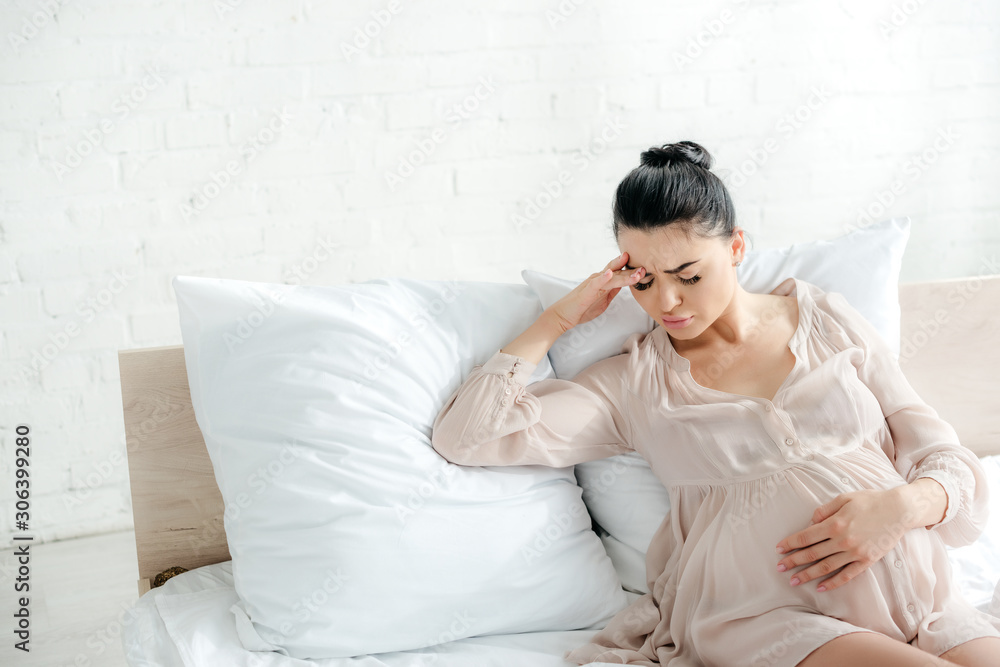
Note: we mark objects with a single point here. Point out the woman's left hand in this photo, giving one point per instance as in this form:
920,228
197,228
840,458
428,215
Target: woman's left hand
855,529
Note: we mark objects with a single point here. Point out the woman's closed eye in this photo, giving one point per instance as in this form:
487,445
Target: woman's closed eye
687,281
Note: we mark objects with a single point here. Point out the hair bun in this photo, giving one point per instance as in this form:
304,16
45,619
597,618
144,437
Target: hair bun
682,151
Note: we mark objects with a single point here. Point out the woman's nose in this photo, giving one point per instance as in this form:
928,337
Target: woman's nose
669,299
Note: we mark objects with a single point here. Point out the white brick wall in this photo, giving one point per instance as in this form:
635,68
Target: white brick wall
141,139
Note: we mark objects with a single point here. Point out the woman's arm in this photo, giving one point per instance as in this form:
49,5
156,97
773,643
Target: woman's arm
927,500
535,342
492,419
925,446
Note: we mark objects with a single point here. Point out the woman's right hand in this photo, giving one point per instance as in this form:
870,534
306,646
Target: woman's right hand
592,297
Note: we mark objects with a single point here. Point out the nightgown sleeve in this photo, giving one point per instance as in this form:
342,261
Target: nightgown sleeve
493,420
925,445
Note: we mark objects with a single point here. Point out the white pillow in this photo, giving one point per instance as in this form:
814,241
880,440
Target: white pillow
625,498
349,534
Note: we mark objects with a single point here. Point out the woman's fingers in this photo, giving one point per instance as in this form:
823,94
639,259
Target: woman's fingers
824,568
612,279
592,296
615,266
852,570
617,263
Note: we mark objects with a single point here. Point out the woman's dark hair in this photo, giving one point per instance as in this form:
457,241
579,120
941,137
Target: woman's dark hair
673,186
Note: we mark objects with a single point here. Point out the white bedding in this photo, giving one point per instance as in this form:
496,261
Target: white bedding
188,622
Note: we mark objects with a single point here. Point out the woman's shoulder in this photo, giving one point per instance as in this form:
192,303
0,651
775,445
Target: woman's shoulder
791,286
805,294
838,319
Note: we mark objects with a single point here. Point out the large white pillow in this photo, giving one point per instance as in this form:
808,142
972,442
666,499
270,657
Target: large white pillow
625,498
349,534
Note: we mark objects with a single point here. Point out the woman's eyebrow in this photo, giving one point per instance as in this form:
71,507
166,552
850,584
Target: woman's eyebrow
677,270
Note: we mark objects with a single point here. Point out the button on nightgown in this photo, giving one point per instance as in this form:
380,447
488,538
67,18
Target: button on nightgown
743,473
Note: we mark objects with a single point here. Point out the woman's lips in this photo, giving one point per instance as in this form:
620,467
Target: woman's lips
674,323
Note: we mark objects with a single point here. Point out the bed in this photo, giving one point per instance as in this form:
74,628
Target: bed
949,329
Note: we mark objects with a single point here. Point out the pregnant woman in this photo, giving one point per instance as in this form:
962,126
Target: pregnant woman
812,491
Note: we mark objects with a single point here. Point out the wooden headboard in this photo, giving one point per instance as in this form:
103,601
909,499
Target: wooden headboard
176,504
949,331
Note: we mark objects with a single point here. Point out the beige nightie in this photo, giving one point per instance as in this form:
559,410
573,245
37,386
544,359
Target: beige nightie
743,473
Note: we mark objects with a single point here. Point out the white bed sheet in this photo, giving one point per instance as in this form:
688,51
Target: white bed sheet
187,622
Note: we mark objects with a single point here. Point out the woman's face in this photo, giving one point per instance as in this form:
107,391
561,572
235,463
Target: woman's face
684,276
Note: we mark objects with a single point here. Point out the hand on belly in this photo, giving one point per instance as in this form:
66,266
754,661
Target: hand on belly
855,530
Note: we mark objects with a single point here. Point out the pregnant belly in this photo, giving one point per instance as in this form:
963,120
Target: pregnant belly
729,566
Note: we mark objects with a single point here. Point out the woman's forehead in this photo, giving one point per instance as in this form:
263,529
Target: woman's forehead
663,248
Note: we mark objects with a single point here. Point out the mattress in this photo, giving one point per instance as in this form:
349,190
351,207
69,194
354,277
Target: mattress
187,622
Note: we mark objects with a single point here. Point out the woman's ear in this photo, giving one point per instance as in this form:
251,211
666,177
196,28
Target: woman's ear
738,245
